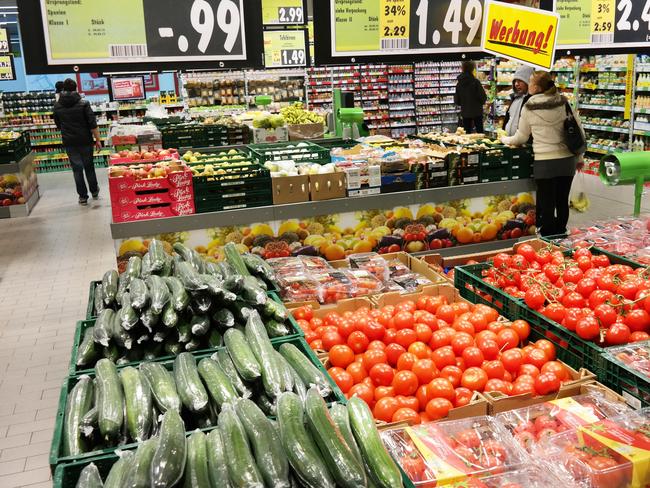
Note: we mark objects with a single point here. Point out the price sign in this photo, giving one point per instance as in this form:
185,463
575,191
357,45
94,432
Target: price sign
287,48
283,12
140,31
7,70
611,23
5,46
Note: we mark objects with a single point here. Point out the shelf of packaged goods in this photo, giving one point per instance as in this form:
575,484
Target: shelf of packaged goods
602,150
620,130
603,87
324,207
611,108
642,132
603,69
401,126
401,100
379,126
642,110
643,89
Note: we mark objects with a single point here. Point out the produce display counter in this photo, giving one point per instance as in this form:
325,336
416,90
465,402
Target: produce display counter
19,190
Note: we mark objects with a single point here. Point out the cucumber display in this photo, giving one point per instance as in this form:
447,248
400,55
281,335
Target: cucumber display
180,298
139,474
157,255
110,399
265,354
80,401
137,396
168,461
310,374
241,354
216,381
196,469
134,267
117,475
265,441
102,331
242,469
98,302
128,316
304,456
163,386
169,316
341,418
109,286
235,260
90,477
190,389
217,461
139,293
87,352
189,277
381,468
159,293
345,468
224,361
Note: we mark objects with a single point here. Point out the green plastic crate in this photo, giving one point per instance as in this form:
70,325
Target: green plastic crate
299,152
632,384
90,309
495,156
56,450
233,201
499,173
468,280
295,333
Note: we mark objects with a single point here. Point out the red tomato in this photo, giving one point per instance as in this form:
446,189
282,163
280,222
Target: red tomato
405,383
453,374
343,379
489,348
442,388
638,320
406,415
405,337
536,357
423,395
473,356
496,384
446,313
420,349
341,355
374,331
443,356
393,352
474,379
557,368
534,297
512,359
639,336
529,370
425,370
460,341
523,387
438,408
423,332
406,361
494,369
548,347
372,357
358,342
507,339
303,313
363,391
440,338
381,374
403,320
547,383
618,334
384,391
357,371
385,408
606,314
588,328
463,396
377,345
406,306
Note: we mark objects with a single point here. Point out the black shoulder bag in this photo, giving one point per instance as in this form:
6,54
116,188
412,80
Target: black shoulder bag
575,140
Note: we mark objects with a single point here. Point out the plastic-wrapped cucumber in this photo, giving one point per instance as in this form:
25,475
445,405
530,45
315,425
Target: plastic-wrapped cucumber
276,310
256,265
139,293
149,319
173,348
122,287
121,337
184,330
168,461
252,293
260,344
234,283
197,261
265,441
201,302
304,456
160,335
196,469
226,269
217,461
102,330
89,423
200,325
87,352
111,352
224,318
89,477
109,286
153,352
157,255
137,395
214,284
299,387
110,399
213,269
241,311
80,401
145,272
134,267
128,317
216,381
215,339
99,299
139,474
168,267
117,475
189,277
169,316
339,414
183,251
285,371
242,468
228,297
224,361
275,328
180,299
193,345
163,386
310,374
347,470
159,293
242,356
190,388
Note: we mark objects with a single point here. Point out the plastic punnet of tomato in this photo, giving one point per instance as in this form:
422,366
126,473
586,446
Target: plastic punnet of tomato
299,287
634,356
364,281
528,477
335,285
454,450
371,262
533,424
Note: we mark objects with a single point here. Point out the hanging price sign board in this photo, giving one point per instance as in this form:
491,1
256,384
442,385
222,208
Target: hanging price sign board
283,12
603,24
7,70
5,46
285,48
132,32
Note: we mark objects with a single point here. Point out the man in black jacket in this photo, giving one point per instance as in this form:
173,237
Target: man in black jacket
471,97
78,125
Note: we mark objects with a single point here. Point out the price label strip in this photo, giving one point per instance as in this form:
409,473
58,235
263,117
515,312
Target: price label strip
284,49
128,31
394,24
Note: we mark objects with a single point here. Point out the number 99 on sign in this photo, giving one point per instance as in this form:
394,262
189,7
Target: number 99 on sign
292,57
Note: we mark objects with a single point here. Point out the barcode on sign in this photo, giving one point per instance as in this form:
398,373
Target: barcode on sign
388,44
128,50
607,38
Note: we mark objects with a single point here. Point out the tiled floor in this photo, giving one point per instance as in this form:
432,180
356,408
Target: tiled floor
46,263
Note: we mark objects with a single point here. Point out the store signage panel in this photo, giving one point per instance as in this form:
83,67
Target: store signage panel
283,12
595,24
285,48
128,31
5,45
524,34
7,70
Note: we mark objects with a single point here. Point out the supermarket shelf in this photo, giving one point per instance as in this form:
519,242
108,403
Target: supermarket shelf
309,209
17,167
642,110
606,128
600,150
612,108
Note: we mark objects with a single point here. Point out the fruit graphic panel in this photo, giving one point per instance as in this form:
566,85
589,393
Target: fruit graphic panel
412,229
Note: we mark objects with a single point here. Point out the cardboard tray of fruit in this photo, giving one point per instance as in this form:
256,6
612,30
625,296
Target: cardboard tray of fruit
138,157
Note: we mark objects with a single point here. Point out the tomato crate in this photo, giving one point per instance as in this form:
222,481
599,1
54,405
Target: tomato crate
469,281
295,332
56,450
299,152
630,382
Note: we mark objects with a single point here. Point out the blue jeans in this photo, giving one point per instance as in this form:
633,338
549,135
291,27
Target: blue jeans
81,160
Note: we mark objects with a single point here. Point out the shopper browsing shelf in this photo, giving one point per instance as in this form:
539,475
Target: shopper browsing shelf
518,98
543,117
78,125
471,97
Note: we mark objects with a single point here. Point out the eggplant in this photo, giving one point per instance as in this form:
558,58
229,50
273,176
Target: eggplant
390,240
513,224
439,234
306,251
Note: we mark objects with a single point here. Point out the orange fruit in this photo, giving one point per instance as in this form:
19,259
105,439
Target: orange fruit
334,252
465,235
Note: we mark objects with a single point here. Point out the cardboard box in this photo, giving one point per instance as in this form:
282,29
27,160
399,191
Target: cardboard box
290,189
301,132
327,186
281,134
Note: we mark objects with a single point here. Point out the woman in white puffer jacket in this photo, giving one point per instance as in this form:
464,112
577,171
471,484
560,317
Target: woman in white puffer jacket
555,165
